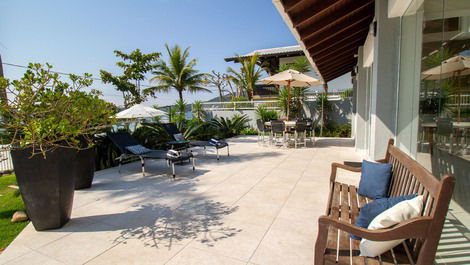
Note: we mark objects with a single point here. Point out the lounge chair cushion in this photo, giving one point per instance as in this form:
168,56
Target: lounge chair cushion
375,179
373,209
401,212
138,149
178,137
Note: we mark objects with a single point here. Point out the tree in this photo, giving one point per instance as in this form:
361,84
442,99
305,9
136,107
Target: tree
302,65
178,74
249,74
198,110
135,65
219,81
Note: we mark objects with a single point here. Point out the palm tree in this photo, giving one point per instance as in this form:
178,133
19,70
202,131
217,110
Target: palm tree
178,73
198,110
249,74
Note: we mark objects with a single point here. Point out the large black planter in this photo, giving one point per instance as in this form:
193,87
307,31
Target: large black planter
85,170
46,185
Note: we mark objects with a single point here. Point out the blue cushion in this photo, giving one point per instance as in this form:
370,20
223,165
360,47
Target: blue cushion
375,179
371,210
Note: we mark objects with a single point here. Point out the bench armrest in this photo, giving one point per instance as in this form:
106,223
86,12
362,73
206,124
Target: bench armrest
335,166
414,228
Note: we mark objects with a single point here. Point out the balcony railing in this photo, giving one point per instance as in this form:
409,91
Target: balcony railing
6,164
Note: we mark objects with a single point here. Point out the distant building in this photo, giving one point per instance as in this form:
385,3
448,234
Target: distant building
273,58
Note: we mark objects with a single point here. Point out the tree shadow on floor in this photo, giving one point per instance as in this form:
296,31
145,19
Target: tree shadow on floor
161,226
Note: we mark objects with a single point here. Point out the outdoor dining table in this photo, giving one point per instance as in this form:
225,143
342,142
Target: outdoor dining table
288,124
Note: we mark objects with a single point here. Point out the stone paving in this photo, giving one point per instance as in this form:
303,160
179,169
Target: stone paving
258,206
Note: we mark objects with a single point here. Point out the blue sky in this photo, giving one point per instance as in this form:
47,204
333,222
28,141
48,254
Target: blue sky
80,36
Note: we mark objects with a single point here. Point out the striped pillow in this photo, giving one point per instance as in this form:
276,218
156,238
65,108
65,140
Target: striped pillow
138,149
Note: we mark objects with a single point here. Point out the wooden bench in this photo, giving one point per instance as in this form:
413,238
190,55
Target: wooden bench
422,234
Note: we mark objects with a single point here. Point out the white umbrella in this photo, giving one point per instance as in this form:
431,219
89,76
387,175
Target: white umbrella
455,66
139,111
459,65
291,78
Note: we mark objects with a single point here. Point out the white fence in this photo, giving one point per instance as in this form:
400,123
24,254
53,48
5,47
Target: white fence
6,163
252,105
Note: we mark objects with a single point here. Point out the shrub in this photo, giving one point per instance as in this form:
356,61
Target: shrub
249,131
266,115
47,113
228,127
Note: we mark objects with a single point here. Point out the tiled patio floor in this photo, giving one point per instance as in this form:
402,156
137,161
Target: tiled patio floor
258,206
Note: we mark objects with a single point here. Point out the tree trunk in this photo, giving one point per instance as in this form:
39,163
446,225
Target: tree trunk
180,93
3,90
221,99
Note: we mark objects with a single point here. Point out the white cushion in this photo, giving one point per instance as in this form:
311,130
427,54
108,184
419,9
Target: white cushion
401,212
138,149
178,136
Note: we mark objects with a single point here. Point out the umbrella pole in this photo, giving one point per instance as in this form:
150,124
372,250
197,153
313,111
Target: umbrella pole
288,99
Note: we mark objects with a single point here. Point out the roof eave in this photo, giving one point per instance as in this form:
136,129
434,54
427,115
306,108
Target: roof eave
288,21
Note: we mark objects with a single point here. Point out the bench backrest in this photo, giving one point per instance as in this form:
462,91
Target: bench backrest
409,177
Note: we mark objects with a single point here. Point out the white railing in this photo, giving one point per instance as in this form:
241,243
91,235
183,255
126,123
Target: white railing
251,105
6,163
241,105
459,100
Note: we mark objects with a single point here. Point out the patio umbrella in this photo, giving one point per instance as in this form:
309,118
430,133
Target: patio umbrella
455,66
139,111
291,78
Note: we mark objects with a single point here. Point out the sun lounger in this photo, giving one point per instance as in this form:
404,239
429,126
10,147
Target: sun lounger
129,147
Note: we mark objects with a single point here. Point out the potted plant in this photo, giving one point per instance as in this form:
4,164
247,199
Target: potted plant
49,122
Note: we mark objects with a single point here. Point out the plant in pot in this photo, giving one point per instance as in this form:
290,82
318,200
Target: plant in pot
49,122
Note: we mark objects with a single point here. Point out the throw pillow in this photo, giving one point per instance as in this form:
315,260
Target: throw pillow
372,209
401,212
138,149
375,179
178,136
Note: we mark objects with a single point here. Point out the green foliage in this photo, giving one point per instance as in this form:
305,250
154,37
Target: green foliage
135,66
198,110
283,98
348,93
266,115
10,202
300,64
178,74
47,113
323,106
228,127
151,135
333,130
249,131
248,75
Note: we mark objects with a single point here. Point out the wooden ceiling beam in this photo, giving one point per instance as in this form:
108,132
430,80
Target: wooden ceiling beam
291,4
346,15
329,67
339,71
335,56
313,9
337,74
354,40
339,31
337,40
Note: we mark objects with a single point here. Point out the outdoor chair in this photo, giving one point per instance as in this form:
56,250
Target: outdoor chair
445,134
178,140
310,130
278,130
129,147
261,130
300,133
